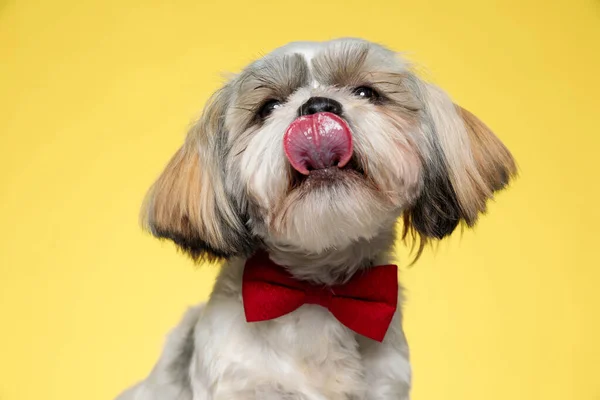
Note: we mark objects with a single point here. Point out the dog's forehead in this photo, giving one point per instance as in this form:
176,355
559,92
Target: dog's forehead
315,63
344,48
309,50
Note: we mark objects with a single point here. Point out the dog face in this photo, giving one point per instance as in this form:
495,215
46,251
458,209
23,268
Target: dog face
320,145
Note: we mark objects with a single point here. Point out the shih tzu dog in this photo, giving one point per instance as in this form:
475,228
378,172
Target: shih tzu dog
295,176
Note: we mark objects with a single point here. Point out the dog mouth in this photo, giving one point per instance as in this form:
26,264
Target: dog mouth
327,176
320,151
318,141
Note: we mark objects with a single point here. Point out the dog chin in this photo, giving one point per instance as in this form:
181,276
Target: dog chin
327,179
330,208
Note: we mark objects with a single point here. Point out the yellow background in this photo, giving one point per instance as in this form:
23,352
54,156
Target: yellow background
96,96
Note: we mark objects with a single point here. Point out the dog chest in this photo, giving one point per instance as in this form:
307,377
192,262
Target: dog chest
322,352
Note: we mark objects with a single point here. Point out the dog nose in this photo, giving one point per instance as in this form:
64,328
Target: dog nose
316,105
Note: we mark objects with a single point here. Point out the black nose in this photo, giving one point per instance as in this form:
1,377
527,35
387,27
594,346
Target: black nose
320,104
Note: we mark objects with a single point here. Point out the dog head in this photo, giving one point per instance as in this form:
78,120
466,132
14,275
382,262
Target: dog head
318,146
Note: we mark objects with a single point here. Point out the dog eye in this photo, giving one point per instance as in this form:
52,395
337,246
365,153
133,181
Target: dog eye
268,107
366,93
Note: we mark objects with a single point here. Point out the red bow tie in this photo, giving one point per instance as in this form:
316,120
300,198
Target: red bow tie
365,304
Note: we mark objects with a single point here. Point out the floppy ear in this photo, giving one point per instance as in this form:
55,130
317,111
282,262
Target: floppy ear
188,203
465,164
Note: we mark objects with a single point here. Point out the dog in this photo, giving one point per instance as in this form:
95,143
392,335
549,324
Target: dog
300,167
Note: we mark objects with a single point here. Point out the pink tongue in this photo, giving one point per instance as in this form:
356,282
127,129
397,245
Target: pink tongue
318,141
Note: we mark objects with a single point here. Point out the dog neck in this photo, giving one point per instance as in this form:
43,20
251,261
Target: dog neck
334,266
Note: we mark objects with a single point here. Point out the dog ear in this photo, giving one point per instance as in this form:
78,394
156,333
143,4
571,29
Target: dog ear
188,203
464,165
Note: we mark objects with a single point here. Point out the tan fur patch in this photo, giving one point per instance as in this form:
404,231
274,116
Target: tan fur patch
182,199
492,158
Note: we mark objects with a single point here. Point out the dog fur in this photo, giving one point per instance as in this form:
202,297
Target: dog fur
230,190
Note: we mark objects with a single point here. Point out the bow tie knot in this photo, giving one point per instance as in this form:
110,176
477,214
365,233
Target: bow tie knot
321,296
366,303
